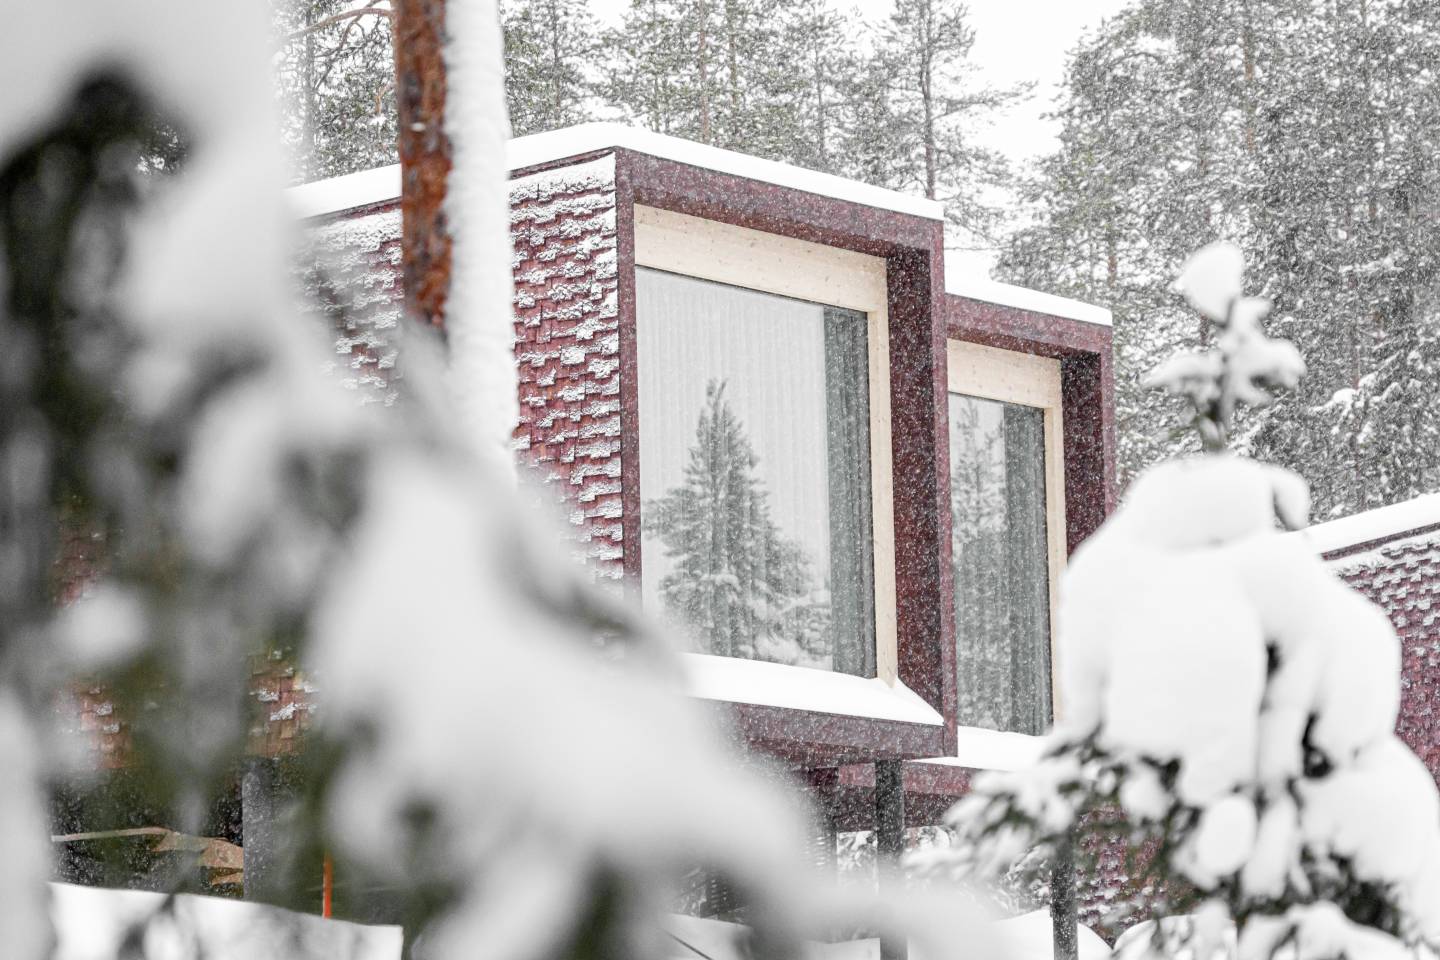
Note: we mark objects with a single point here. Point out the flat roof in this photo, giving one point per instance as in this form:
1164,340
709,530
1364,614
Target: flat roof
1395,522
382,184
960,282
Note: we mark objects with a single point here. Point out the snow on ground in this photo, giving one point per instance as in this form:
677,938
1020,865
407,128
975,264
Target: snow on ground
23,828
91,923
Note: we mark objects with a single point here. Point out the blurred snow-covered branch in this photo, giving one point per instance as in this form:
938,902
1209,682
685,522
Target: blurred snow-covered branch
526,793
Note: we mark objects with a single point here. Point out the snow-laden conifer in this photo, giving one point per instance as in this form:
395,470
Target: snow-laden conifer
1229,696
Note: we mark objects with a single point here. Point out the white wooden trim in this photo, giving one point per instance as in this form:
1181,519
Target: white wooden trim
788,267
1005,375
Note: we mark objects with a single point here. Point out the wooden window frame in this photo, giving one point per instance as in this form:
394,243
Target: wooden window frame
1008,376
771,263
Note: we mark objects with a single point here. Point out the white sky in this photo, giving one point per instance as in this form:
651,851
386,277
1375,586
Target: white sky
1015,41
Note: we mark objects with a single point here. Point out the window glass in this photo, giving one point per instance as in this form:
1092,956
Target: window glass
999,552
754,472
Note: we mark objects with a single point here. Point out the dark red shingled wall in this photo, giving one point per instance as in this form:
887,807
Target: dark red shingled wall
1403,578
568,347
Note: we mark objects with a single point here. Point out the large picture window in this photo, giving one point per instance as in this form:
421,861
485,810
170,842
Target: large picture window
758,501
1007,510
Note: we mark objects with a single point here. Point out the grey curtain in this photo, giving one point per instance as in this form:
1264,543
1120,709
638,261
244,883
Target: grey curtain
1027,569
852,554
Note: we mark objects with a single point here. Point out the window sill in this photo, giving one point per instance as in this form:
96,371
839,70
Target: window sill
980,749
730,680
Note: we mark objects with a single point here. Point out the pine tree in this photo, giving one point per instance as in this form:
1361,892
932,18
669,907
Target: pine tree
744,587
1304,131
875,135
549,50
818,33
926,47
1245,753
737,74
336,76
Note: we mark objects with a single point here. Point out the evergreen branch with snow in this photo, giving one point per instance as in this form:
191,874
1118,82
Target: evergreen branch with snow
1230,697
1245,366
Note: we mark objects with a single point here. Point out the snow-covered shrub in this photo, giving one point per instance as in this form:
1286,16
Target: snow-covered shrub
1229,695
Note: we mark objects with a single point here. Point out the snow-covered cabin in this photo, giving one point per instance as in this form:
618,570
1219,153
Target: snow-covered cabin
917,450
928,446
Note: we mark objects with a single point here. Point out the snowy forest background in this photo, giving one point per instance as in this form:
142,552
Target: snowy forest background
1303,130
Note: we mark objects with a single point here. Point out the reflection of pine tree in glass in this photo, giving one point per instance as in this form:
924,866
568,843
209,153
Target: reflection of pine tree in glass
977,510
737,579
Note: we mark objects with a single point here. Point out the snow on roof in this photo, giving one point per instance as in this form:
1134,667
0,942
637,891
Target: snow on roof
589,137
732,680
963,283
1419,515
338,194
383,183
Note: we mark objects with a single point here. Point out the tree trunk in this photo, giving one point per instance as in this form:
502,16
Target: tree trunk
732,33
424,157
307,103
702,54
927,95
557,87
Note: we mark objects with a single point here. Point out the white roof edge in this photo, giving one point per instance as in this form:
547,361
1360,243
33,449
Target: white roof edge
732,680
981,749
382,184
338,194
1378,524
1023,298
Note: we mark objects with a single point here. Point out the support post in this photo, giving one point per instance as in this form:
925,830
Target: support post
890,843
825,785
1063,917
279,868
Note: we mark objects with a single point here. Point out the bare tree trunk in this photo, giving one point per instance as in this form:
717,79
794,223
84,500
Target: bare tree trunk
820,132
927,96
556,87
1247,46
424,156
702,53
732,35
307,102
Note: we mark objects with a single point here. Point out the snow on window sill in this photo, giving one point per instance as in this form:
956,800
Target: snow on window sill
981,749
732,680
